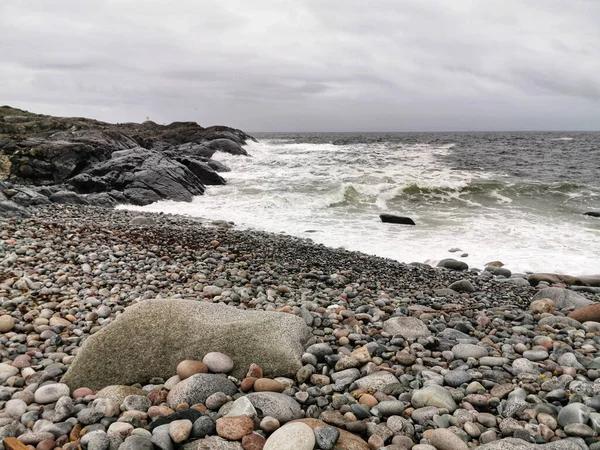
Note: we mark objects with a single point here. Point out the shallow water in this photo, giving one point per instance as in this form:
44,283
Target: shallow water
514,197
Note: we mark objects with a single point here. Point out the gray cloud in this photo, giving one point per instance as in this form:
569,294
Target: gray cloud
309,65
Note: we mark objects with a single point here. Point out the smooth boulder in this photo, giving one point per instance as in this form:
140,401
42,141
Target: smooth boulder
152,337
407,327
564,298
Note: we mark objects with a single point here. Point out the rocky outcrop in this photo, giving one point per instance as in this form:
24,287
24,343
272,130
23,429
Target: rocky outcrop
120,354
105,164
143,176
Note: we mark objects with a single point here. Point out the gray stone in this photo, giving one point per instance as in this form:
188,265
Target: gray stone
453,264
117,393
161,438
203,427
407,327
519,444
242,407
465,351
462,286
119,354
573,413
455,378
136,443
7,371
377,381
212,443
326,437
391,408
564,298
136,403
559,320
197,388
433,395
276,405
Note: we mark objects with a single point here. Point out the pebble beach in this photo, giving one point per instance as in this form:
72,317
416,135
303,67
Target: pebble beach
393,356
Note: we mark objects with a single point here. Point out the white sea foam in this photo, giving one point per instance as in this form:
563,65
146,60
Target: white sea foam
339,191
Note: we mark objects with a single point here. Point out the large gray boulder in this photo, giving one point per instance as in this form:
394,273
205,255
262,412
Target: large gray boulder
150,338
407,327
519,444
564,298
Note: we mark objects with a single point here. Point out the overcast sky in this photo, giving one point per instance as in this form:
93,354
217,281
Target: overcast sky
308,65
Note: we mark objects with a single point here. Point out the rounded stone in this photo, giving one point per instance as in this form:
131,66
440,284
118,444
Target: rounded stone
292,436
444,439
234,428
189,367
50,393
180,430
269,424
268,385
218,362
455,378
543,305
433,395
466,351
197,388
15,408
253,442
573,413
7,323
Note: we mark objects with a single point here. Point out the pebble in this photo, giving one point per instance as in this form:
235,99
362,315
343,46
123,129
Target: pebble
218,362
292,436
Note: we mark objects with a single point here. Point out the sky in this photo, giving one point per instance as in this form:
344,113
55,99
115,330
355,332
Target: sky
308,65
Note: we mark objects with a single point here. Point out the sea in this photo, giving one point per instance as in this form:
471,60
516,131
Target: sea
518,198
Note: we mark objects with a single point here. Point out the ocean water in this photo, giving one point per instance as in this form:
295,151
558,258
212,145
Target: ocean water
514,197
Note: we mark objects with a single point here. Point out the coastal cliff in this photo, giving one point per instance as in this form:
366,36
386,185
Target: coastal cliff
46,159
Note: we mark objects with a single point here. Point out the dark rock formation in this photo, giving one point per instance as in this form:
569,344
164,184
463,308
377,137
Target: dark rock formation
86,161
390,218
592,214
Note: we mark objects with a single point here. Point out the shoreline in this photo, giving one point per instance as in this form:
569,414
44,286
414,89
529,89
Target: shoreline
503,363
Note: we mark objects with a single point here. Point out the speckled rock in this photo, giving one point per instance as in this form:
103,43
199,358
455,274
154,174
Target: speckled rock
119,354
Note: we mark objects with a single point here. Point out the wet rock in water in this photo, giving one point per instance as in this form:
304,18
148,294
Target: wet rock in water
453,264
118,353
592,213
391,218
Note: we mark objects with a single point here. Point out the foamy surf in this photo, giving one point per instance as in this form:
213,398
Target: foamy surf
333,194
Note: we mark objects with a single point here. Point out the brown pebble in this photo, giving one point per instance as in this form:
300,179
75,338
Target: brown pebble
46,444
268,385
157,397
253,442
189,367
247,384
200,407
234,428
75,432
82,392
254,371
182,406
368,400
